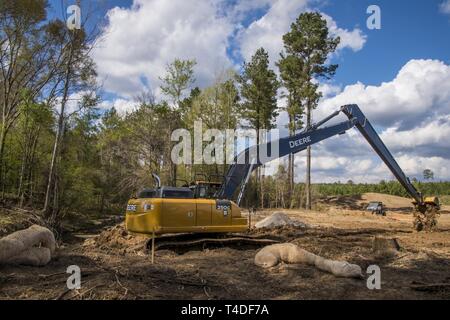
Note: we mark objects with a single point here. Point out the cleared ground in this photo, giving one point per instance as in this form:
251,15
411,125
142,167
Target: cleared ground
116,265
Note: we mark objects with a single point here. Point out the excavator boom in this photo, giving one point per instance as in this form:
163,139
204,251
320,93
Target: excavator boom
250,159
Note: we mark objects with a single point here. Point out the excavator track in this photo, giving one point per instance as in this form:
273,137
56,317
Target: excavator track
199,241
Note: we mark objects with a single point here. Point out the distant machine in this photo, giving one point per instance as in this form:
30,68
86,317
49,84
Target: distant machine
213,206
376,207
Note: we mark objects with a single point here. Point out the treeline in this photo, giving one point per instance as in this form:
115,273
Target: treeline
61,153
387,187
276,190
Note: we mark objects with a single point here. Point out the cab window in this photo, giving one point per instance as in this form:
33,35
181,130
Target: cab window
202,192
178,194
147,194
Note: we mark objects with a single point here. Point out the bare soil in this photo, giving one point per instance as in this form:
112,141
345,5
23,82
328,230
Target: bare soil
116,265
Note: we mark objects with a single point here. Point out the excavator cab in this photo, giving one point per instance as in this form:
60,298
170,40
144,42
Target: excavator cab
206,187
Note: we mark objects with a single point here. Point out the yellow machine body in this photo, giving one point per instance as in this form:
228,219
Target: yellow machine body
432,201
429,203
166,215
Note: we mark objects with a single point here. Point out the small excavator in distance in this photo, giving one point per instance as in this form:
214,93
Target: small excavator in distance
196,209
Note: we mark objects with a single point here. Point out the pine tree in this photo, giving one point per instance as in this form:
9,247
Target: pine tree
307,46
179,77
259,86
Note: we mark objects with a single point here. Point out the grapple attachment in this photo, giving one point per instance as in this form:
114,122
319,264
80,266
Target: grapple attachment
426,214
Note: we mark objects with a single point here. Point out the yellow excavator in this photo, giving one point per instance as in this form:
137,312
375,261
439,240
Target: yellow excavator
213,206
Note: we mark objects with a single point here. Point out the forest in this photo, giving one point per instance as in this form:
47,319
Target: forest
62,153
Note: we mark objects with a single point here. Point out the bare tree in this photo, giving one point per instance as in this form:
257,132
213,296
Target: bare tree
24,57
76,75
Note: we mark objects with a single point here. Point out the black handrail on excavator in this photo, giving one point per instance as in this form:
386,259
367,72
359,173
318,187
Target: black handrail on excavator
248,160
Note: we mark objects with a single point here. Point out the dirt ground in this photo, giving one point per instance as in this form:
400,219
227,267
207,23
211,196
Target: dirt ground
116,265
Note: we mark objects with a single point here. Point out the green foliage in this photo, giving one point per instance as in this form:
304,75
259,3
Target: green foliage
390,187
216,106
291,72
309,41
259,86
428,174
307,46
29,11
179,77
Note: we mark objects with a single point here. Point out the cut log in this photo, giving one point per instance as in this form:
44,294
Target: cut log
385,246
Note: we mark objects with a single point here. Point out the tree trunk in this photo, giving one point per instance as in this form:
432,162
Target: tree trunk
258,169
59,131
30,169
2,150
261,182
261,177
52,170
290,169
308,162
22,173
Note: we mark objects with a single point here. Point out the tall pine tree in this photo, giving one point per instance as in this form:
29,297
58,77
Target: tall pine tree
259,86
307,46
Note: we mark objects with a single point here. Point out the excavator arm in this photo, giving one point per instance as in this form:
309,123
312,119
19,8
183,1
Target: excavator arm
249,159
238,174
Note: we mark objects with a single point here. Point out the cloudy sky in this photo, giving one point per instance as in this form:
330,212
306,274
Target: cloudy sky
399,75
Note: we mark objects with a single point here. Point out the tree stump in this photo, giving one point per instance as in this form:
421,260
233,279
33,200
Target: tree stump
385,247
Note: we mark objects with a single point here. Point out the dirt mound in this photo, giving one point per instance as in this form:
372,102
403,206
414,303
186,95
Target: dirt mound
278,219
360,202
116,239
392,202
13,220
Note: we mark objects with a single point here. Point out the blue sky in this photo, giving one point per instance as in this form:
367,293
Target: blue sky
399,75
410,30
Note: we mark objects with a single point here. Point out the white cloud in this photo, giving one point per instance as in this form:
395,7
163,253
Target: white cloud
425,139
416,165
267,32
444,7
123,106
411,111
329,90
139,41
420,92
354,39
412,115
